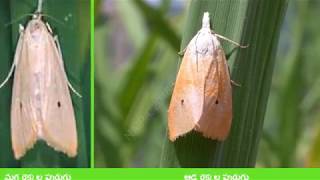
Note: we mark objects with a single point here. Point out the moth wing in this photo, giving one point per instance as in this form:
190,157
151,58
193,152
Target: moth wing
59,125
216,119
23,116
187,100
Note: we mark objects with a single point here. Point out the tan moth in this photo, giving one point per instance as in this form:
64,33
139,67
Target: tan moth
41,106
202,95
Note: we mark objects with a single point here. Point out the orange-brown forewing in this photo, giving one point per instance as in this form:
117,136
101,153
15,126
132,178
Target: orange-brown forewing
187,102
216,118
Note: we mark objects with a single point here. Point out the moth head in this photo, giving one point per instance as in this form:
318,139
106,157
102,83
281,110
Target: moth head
206,20
37,15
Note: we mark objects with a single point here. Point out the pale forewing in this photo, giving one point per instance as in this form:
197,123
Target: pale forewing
23,128
59,125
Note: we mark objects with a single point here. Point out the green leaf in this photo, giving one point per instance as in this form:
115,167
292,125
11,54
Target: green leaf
132,99
136,76
313,159
158,24
6,56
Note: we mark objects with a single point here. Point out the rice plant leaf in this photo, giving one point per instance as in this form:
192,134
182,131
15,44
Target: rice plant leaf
6,55
158,24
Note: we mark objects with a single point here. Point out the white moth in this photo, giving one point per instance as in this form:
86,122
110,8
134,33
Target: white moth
41,106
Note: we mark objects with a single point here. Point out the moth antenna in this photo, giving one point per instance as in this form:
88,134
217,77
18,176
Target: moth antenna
18,19
61,63
55,20
232,42
35,15
15,61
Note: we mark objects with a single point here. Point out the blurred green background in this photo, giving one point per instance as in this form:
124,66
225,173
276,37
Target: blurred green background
70,20
136,62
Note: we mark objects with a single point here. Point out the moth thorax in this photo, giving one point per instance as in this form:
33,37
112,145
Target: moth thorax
204,44
36,26
36,31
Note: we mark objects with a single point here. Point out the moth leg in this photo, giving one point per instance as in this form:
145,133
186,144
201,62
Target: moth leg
21,29
181,53
172,85
8,76
232,82
16,56
232,42
49,28
61,64
235,84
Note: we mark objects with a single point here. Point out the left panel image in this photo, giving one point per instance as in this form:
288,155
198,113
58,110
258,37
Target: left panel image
45,83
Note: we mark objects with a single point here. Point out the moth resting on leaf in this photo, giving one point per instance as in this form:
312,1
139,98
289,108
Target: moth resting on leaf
202,96
41,106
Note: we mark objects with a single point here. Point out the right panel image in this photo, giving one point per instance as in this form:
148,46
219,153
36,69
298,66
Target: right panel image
206,83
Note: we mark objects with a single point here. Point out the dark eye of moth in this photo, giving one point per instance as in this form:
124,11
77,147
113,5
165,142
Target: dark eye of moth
20,105
217,102
59,104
